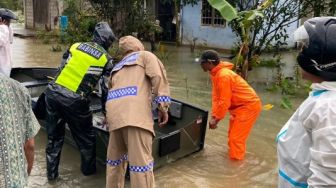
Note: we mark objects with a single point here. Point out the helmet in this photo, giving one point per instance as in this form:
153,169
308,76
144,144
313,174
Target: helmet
7,14
103,35
318,41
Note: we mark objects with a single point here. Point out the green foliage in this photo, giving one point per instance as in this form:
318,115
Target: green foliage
263,27
226,10
243,23
80,27
274,88
108,9
255,60
113,50
46,37
288,87
163,54
21,18
268,32
51,37
132,17
318,8
271,63
285,86
238,60
12,4
40,34
268,63
141,22
81,23
56,48
286,103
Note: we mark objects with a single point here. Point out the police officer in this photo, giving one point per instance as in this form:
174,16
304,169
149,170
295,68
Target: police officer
138,77
67,99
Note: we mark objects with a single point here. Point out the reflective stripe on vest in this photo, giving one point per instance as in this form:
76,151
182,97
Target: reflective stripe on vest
83,56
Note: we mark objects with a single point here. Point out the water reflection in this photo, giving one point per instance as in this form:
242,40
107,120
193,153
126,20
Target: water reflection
33,53
208,168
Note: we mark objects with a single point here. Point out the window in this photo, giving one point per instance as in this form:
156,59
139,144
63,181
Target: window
211,16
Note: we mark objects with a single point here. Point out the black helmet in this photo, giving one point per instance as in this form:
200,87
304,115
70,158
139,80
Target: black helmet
318,55
7,14
103,35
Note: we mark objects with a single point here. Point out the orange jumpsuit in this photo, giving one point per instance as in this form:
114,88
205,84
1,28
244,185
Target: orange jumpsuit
232,93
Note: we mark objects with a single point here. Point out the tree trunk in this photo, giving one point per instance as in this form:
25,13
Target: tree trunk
245,64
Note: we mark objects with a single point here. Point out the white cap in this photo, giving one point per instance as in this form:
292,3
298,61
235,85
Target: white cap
301,36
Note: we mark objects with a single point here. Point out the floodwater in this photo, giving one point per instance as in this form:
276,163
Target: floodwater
209,168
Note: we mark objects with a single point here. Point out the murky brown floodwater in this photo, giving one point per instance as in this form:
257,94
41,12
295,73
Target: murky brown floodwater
209,168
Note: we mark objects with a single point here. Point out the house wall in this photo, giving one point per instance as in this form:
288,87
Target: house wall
290,30
55,10
216,37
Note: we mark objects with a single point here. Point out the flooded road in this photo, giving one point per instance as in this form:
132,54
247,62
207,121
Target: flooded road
209,168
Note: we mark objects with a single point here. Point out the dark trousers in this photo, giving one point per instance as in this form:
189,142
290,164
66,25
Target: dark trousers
76,113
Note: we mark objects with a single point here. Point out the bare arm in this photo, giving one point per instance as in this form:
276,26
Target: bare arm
31,126
29,153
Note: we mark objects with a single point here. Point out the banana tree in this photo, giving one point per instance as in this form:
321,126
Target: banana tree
245,20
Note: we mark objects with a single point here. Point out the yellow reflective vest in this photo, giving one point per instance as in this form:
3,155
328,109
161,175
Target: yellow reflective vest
83,68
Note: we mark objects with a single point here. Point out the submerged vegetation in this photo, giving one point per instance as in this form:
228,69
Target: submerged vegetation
262,26
81,23
163,53
288,87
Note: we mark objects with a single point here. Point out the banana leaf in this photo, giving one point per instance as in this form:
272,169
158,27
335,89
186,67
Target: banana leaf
227,11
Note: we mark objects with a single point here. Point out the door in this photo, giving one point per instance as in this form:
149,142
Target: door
41,13
165,14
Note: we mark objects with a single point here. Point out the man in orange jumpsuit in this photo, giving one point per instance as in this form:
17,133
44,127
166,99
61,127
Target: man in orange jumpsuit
232,93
